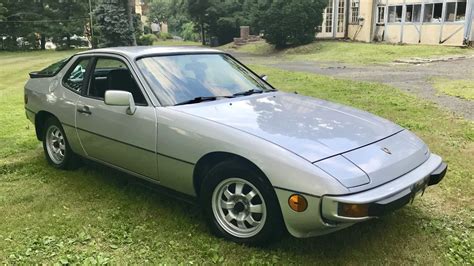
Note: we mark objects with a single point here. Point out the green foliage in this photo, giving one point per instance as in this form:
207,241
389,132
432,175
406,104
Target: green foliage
172,12
224,19
459,88
188,32
112,27
36,21
292,22
159,11
3,11
147,39
197,9
165,36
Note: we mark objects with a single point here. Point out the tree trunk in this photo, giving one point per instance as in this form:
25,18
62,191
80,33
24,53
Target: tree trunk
130,12
68,42
43,42
203,34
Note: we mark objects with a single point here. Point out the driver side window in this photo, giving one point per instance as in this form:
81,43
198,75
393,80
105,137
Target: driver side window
113,74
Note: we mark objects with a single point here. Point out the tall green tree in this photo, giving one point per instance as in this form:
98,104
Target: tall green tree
198,12
33,22
3,11
130,7
292,22
22,24
172,12
111,28
71,19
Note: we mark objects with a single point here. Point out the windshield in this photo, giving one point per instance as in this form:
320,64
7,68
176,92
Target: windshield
179,79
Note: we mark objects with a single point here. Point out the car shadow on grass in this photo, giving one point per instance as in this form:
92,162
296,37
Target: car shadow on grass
126,199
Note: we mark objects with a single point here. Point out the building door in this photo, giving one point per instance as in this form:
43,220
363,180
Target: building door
333,20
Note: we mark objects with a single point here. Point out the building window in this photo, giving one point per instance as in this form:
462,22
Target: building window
380,15
355,11
455,11
433,13
395,13
413,13
428,13
329,17
461,11
340,16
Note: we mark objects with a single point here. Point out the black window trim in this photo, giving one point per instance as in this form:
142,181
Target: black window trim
95,58
36,74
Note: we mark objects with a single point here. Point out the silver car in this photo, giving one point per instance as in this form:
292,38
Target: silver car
196,121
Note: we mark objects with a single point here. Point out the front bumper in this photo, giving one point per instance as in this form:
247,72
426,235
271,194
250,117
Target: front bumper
388,197
322,215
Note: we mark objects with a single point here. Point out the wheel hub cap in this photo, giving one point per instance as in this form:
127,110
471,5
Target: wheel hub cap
239,207
55,144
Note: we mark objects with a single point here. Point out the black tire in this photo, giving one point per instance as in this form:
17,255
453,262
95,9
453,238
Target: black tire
70,160
273,227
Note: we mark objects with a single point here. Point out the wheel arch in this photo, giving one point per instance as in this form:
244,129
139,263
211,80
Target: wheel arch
206,162
40,119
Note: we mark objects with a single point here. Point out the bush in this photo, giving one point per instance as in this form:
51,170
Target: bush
146,29
296,23
188,32
147,39
165,36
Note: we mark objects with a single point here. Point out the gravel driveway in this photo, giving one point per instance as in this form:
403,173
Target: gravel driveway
412,78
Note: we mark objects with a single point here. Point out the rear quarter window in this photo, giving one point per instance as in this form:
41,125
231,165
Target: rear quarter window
53,69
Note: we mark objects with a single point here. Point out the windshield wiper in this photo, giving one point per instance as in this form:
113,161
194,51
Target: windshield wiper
203,99
247,93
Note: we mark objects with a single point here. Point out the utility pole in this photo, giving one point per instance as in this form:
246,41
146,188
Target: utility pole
131,7
90,24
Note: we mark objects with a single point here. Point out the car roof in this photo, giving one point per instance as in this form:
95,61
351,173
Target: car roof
134,52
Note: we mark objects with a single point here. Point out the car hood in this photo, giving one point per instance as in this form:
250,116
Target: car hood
311,128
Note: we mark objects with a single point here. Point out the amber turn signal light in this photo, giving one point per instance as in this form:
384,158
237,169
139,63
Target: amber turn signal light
353,210
297,203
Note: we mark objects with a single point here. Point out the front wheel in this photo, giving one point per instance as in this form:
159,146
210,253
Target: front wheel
241,205
56,148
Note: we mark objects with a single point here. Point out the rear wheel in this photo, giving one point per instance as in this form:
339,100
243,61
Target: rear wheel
241,205
56,148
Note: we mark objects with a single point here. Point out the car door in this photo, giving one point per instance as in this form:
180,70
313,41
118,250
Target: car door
107,133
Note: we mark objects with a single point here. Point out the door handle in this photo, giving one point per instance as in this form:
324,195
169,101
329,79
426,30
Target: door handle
84,110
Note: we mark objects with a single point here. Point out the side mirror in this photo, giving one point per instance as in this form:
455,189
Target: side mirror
264,77
121,98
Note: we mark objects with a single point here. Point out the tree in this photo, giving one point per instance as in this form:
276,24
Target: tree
160,11
188,32
71,19
28,24
3,11
224,20
292,22
130,14
23,24
111,28
197,10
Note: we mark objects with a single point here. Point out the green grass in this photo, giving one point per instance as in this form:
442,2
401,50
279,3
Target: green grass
350,52
96,215
175,43
459,88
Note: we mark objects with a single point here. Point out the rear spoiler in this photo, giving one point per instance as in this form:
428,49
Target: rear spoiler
36,74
